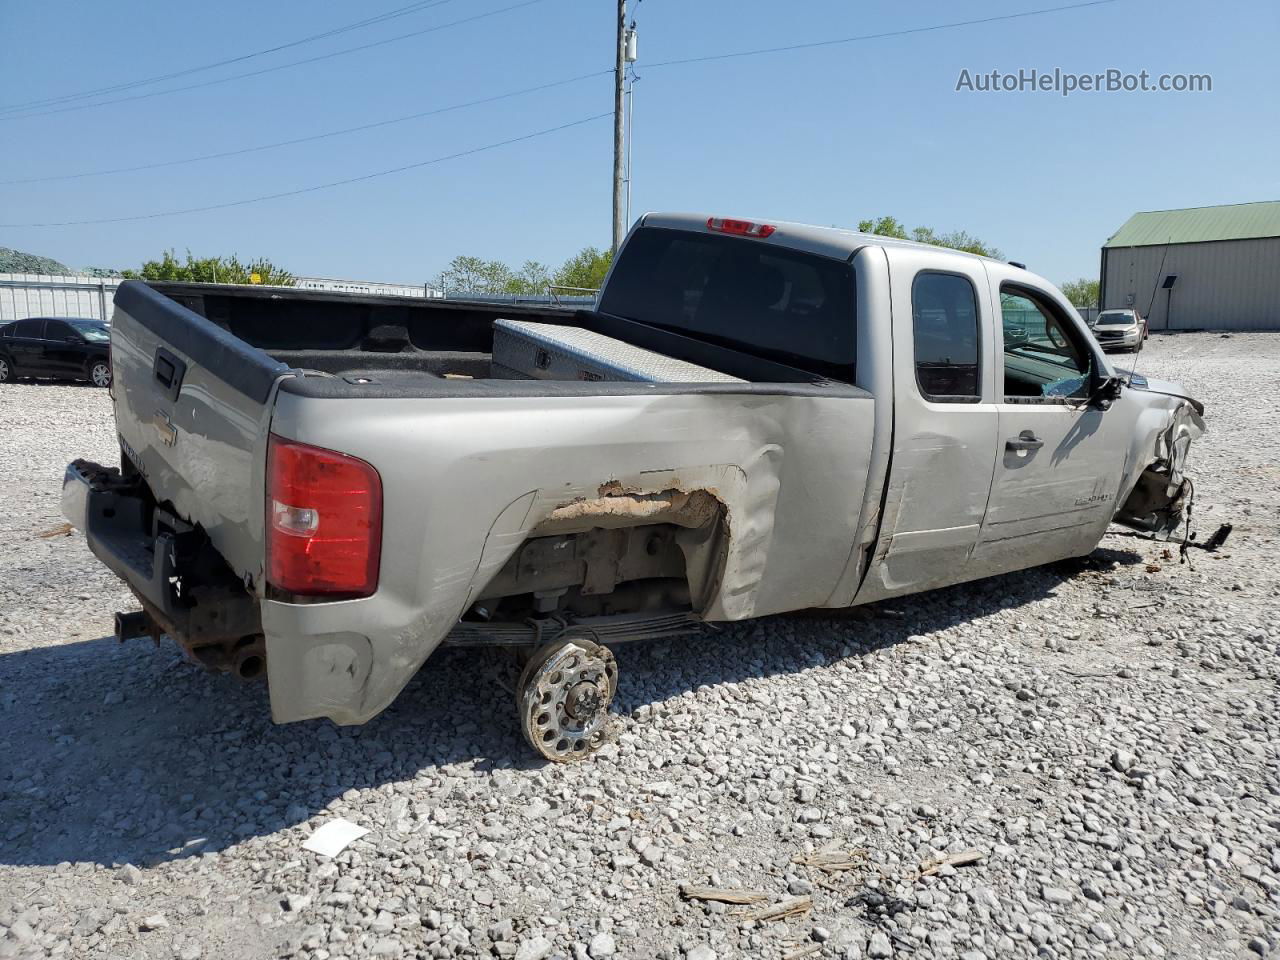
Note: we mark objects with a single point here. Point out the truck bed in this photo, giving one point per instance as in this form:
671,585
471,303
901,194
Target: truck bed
377,344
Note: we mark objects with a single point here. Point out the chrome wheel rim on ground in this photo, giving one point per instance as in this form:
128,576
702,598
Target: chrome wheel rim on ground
4,370
100,374
564,696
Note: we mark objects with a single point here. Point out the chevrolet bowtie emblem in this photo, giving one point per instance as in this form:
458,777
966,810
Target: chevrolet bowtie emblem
164,426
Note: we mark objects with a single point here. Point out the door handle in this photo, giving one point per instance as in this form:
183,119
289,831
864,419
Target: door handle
1023,442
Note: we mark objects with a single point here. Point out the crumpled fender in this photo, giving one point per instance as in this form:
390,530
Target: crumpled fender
1155,485
1185,426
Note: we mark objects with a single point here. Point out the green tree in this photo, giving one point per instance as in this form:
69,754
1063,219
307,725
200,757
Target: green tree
474,275
885,227
211,270
493,277
585,269
1081,293
955,240
531,279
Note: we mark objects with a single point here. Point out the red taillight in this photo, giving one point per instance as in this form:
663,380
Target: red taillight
742,228
324,521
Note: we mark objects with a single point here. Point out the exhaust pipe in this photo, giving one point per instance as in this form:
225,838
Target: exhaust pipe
130,626
250,661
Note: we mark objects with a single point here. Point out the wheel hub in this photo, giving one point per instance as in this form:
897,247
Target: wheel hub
583,701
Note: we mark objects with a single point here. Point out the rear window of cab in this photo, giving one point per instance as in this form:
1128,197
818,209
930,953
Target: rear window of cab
789,306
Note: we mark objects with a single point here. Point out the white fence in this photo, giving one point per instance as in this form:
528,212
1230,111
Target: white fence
36,295
368,287
79,295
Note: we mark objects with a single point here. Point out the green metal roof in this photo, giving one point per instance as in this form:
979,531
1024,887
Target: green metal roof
1237,221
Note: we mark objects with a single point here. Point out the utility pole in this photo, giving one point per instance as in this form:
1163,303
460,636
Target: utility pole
629,56
631,100
619,228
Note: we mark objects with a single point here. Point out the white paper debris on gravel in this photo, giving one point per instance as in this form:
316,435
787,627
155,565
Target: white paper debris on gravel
332,838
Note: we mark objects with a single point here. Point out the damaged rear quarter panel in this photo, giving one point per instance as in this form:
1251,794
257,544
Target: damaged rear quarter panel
466,480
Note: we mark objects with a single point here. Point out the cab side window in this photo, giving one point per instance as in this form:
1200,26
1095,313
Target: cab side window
1045,358
944,312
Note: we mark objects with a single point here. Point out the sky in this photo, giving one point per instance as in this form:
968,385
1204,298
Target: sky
827,135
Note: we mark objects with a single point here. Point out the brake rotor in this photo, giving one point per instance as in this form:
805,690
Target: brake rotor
564,696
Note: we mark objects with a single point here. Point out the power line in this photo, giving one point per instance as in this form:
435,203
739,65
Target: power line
319,186
281,66
484,100
878,36
312,137
412,7
101,91
465,153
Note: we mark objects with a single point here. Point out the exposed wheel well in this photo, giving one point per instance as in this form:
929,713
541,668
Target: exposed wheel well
623,553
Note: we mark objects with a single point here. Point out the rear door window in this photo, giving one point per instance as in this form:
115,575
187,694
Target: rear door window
32,329
793,307
944,311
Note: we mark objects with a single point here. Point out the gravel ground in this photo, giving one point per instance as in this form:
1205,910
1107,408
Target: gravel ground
1103,732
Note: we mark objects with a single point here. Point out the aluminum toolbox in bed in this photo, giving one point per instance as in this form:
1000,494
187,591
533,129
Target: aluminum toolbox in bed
546,351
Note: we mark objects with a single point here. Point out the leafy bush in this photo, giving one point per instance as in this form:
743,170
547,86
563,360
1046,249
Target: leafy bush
212,270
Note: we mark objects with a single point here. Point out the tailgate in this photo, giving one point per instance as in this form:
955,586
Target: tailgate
192,408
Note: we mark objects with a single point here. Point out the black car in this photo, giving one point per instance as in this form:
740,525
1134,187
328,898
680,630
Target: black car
65,347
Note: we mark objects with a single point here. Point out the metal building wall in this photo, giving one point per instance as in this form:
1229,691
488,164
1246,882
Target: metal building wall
36,295
1223,285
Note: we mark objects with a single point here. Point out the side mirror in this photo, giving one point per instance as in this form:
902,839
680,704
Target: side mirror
1106,393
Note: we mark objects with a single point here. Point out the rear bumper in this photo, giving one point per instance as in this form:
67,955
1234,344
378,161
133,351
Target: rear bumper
319,660
113,519
184,586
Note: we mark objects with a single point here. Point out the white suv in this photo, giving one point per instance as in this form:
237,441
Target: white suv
1120,329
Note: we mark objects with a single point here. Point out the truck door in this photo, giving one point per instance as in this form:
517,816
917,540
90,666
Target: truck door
945,423
1060,460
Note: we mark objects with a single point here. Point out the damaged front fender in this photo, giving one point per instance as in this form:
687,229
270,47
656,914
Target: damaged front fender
1157,500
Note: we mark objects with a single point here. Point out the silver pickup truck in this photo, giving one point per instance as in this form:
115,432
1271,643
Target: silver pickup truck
757,417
